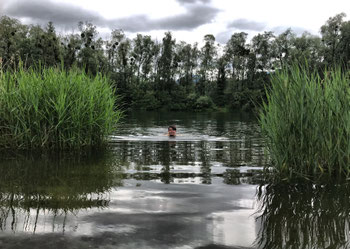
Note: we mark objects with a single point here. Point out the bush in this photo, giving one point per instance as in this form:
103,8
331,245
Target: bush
146,100
53,109
306,121
191,101
204,102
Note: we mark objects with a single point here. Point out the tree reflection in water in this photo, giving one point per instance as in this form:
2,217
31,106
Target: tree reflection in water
304,216
30,186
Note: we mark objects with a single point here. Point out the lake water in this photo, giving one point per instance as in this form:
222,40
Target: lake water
202,189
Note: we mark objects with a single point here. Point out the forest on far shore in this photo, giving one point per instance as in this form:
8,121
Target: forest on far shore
170,74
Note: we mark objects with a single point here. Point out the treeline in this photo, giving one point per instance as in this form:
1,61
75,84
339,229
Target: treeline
150,74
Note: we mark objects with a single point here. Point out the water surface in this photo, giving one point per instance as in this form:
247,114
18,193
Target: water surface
201,189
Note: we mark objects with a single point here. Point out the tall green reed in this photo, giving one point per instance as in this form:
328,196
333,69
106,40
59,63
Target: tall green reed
306,121
49,108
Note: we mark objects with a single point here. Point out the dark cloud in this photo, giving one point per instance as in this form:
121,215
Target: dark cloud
280,29
245,24
67,15
41,11
194,17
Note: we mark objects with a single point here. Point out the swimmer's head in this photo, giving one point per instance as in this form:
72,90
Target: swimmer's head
172,130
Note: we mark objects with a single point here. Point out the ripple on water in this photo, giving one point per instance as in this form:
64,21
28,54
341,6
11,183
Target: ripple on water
155,138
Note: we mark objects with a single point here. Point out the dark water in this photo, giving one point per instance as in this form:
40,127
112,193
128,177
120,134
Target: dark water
202,189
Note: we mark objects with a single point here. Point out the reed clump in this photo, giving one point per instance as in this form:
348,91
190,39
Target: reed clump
306,121
49,108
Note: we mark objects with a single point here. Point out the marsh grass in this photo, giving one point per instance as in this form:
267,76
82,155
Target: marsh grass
306,121
49,108
303,215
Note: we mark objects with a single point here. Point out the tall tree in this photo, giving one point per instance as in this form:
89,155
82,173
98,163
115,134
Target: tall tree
124,63
207,66
331,38
189,60
88,55
344,45
12,39
166,64
282,47
307,48
142,53
50,46
237,53
262,47
70,46
221,81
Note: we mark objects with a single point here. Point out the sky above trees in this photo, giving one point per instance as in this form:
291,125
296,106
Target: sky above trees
188,20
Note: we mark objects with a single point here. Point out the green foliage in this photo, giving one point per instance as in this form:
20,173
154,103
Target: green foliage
147,73
219,95
53,109
237,54
332,37
204,102
12,39
306,121
191,101
165,63
146,100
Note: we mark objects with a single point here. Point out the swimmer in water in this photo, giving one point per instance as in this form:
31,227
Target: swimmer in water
171,131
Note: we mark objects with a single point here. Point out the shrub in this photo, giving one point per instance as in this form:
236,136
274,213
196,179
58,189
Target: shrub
204,102
306,121
54,109
191,101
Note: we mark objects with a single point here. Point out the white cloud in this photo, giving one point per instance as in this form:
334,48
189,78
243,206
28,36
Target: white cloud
188,20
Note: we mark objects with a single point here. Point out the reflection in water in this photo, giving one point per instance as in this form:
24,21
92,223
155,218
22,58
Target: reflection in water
150,191
44,187
207,145
210,139
169,159
304,216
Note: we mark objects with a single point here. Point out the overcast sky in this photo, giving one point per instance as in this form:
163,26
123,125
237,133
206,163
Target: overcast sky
189,20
